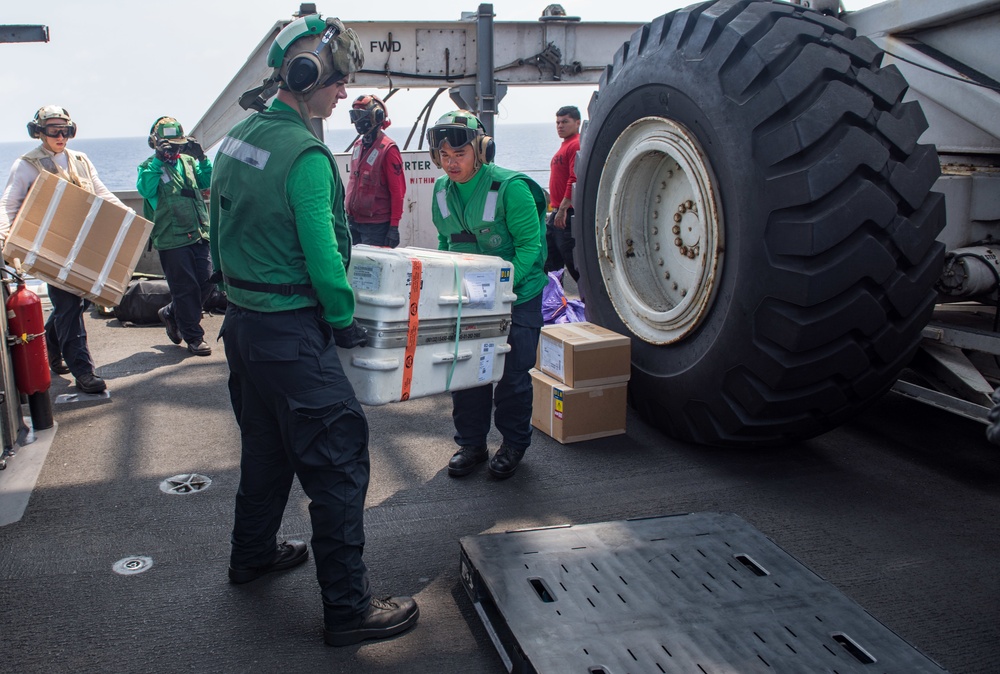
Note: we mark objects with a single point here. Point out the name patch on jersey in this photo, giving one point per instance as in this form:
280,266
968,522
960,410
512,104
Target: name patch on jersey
251,155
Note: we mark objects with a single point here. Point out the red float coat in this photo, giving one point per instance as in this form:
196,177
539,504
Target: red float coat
376,186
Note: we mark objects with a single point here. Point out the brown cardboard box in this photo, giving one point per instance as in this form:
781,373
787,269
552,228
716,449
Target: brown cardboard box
573,414
584,354
76,241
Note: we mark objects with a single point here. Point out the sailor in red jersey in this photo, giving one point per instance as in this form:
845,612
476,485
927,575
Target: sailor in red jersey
561,179
376,186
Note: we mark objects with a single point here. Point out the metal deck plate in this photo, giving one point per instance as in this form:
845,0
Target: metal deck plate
704,593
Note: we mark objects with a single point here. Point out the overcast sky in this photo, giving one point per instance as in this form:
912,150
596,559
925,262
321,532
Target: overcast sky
118,65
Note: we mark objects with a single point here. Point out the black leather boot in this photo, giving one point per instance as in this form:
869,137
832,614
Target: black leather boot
466,459
504,462
287,555
384,618
90,383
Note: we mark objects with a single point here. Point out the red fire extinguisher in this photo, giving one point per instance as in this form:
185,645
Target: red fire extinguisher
26,329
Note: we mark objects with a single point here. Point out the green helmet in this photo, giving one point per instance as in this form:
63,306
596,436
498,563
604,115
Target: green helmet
459,128
166,128
312,52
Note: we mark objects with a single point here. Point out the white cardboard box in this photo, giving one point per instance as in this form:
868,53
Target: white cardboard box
414,302
77,241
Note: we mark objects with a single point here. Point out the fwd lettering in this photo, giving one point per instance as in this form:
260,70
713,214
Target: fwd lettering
385,45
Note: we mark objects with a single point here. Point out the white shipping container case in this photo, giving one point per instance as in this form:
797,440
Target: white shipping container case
414,302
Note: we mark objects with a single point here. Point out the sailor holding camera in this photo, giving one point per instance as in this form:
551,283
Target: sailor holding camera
170,183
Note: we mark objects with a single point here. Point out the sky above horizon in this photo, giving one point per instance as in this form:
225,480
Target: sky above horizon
117,66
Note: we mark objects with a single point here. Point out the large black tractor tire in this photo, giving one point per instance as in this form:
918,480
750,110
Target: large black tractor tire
756,213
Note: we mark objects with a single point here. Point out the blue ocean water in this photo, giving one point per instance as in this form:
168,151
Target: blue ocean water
524,147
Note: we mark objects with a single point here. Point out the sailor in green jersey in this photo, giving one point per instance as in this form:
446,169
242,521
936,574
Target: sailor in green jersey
170,184
479,207
279,237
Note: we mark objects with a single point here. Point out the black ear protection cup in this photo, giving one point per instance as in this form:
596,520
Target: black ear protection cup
379,115
305,71
436,158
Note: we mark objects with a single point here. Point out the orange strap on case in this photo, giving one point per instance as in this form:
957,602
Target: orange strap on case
416,274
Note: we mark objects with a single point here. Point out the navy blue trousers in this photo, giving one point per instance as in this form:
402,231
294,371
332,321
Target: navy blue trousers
65,333
187,270
298,417
472,408
560,245
369,233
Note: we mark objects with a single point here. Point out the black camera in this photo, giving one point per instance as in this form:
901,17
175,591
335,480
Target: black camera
192,147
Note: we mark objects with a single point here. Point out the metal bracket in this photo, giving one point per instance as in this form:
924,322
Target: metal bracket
549,58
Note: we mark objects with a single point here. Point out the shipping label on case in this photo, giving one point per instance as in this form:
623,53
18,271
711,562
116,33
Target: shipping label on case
481,288
552,357
366,277
557,403
485,373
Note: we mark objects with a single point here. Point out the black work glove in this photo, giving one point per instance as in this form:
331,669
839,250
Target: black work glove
194,149
392,237
351,336
165,151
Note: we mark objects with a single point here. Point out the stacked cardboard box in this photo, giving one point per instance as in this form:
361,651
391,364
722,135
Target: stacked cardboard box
580,382
76,241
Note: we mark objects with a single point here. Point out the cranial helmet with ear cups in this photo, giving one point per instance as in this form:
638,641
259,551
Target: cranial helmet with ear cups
459,128
46,113
307,54
368,112
312,52
166,128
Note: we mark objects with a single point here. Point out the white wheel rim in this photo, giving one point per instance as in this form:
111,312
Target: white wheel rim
659,230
